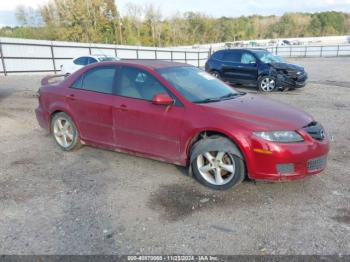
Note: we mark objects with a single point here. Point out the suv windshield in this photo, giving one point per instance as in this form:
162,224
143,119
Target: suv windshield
196,85
267,57
106,58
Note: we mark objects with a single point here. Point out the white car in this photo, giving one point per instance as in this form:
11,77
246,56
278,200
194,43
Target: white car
81,61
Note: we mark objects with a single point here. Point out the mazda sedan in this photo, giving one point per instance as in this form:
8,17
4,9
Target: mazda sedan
179,114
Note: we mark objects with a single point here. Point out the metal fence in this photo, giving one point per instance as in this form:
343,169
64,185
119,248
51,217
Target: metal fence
45,56
311,50
38,56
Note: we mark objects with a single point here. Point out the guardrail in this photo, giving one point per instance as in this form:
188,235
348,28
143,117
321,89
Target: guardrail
21,57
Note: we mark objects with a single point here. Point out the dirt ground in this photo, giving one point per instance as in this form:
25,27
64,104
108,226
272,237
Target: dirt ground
95,201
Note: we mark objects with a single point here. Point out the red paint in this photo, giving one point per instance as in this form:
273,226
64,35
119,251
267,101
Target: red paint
160,130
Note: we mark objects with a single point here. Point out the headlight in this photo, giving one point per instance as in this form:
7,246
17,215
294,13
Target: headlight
280,136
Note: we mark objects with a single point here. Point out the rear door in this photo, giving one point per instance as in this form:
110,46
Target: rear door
231,66
90,99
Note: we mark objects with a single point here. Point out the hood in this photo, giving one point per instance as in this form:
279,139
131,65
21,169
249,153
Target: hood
261,113
286,66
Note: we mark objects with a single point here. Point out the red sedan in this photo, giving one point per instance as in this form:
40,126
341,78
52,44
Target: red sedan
179,114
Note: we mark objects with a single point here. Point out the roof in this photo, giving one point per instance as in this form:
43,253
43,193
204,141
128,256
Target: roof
245,49
155,64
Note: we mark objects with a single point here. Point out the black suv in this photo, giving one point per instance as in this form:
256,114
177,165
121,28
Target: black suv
255,67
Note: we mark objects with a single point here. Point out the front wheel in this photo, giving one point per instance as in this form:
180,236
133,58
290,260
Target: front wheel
215,74
267,84
216,164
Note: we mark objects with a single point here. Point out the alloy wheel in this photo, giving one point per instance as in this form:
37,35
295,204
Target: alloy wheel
63,132
217,168
267,84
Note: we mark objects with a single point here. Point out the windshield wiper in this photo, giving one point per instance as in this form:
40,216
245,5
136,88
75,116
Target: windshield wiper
207,100
217,99
231,95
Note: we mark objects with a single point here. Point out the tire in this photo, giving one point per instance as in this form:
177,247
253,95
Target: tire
65,132
217,163
267,84
216,74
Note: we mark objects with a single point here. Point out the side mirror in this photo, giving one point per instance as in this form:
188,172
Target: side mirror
162,99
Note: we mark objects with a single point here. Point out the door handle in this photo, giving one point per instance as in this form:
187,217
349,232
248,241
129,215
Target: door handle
123,107
71,97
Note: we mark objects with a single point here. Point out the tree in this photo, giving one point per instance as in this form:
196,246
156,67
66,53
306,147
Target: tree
82,20
99,21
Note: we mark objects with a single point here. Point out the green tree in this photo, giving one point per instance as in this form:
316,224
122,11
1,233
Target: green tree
99,21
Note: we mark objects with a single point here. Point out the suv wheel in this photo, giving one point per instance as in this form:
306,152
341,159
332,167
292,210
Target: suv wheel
267,84
215,74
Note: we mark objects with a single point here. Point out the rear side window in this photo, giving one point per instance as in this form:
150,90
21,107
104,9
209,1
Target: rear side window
81,60
92,60
218,55
99,80
78,84
232,56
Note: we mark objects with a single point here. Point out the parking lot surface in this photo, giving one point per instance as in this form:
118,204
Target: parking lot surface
94,201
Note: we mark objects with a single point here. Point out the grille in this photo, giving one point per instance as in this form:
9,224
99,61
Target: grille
317,163
315,130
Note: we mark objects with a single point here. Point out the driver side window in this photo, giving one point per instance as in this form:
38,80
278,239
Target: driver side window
136,83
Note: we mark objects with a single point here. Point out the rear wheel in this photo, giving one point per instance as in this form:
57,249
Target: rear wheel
65,132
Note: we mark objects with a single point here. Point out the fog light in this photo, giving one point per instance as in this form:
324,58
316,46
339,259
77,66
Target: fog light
285,168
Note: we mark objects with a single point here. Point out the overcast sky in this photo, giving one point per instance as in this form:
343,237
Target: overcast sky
217,8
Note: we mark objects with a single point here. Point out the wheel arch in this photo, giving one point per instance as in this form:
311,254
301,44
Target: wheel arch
57,110
205,133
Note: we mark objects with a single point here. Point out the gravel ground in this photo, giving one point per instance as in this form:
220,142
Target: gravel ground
99,202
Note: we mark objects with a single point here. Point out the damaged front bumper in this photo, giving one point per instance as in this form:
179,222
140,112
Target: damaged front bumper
294,81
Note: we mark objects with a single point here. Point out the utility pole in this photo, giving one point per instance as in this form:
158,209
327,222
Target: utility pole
120,31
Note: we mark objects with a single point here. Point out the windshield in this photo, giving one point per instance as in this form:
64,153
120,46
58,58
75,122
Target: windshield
196,85
106,58
267,57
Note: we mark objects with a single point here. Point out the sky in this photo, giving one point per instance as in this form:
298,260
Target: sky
218,8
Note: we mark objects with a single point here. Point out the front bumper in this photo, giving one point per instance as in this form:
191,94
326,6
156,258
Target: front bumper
287,161
295,81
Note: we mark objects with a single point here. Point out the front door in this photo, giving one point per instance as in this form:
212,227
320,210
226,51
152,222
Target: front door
141,126
248,69
239,67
